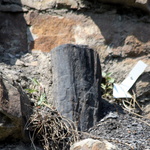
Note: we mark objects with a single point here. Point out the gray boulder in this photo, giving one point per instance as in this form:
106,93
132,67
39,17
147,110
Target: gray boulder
14,110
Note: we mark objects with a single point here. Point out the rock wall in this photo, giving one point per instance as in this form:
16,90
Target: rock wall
13,37
117,30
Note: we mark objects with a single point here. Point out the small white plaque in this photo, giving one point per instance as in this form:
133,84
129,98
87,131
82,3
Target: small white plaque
121,91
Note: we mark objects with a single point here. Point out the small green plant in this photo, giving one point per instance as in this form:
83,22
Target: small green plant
107,85
42,99
37,93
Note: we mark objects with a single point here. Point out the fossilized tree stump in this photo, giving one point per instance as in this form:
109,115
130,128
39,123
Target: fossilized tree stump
75,84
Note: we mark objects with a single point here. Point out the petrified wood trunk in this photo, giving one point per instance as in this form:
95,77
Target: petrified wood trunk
76,79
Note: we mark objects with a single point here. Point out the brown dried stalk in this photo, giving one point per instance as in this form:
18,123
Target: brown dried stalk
52,130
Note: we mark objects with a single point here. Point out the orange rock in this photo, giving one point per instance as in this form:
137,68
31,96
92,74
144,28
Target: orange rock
51,32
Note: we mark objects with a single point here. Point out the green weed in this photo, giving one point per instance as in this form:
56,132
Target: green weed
37,93
107,85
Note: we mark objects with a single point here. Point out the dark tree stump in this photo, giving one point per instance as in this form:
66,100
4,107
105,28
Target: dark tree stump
76,80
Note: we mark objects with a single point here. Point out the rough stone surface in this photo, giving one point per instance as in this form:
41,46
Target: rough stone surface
52,34
46,4
75,84
118,35
13,106
47,33
143,4
16,6
25,5
90,144
13,38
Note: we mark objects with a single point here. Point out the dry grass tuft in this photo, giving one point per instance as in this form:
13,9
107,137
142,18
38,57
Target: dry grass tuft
52,130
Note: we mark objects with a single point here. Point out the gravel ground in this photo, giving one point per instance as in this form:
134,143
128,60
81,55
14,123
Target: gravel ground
125,130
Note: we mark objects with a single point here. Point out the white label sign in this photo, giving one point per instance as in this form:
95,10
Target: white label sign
121,91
